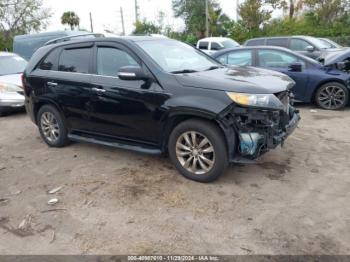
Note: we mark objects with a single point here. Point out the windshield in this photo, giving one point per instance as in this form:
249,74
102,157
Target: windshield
321,44
229,43
174,56
10,65
330,43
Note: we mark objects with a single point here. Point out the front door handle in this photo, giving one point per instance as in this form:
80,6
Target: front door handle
52,84
98,90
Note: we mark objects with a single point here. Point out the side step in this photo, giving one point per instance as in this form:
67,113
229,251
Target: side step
146,150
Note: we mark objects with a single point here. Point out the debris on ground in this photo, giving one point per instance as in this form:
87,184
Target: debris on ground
53,210
313,111
52,201
55,190
4,201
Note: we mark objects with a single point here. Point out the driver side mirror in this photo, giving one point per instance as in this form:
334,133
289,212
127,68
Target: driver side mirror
310,48
131,73
296,67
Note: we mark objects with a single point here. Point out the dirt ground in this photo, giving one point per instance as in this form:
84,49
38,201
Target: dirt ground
295,201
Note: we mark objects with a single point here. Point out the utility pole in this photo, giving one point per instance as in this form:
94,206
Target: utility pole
206,19
136,11
122,18
91,26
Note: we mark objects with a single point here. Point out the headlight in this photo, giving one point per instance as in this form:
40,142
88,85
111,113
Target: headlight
257,100
9,88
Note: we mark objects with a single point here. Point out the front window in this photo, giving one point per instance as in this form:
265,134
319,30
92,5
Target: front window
174,56
277,59
10,65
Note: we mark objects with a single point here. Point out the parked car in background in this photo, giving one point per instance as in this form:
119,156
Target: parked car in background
210,45
330,43
11,92
326,84
157,95
305,45
26,45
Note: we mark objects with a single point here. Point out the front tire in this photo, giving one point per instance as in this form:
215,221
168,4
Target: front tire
52,127
198,150
332,96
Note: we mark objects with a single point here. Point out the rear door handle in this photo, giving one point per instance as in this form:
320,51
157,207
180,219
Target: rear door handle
98,90
52,84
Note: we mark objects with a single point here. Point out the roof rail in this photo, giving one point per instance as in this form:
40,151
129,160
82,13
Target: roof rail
69,38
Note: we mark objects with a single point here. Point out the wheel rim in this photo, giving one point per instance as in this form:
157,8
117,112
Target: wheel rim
195,152
50,127
332,97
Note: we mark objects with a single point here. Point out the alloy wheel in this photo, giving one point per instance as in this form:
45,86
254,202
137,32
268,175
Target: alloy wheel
50,127
195,152
332,97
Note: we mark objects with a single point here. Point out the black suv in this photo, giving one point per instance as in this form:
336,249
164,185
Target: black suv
156,96
305,45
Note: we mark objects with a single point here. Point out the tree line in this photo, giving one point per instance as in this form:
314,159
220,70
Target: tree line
323,18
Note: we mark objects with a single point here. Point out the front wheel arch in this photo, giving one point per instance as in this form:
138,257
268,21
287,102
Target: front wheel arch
313,96
339,83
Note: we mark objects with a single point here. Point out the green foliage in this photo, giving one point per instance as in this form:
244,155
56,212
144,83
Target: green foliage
145,28
70,18
253,15
20,17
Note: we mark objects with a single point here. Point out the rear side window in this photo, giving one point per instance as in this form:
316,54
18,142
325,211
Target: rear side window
75,60
110,60
50,62
283,42
215,46
203,45
298,44
255,42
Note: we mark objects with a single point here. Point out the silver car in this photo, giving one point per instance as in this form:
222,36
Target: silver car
11,92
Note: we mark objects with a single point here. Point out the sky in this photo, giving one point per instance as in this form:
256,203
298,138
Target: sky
106,13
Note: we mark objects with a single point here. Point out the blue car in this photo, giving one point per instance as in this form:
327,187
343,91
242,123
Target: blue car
326,83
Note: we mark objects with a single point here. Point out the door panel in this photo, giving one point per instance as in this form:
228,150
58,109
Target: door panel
279,61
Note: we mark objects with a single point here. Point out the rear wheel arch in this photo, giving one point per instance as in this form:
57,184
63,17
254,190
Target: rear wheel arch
42,103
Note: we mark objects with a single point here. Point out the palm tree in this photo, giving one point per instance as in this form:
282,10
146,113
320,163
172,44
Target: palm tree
70,18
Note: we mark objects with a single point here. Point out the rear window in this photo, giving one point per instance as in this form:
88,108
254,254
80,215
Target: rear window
75,60
12,65
215,46
203,45
255,42
283,42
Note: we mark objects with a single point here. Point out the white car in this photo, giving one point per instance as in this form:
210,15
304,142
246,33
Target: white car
211,45
11,91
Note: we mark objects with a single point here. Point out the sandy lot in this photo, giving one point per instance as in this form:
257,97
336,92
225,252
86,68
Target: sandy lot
295,201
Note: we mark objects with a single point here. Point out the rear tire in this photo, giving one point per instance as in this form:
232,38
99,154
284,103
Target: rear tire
332,96
52,127
198,150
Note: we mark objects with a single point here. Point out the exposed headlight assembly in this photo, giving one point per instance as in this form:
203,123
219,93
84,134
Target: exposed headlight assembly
256,100
9,88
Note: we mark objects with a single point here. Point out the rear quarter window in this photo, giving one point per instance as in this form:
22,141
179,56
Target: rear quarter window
51,60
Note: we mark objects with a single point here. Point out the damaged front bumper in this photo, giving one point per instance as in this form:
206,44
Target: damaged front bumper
251,131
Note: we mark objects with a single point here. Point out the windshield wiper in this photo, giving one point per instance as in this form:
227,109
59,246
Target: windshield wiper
184,71
213,68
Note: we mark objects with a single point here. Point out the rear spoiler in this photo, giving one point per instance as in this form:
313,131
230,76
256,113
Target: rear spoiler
69,38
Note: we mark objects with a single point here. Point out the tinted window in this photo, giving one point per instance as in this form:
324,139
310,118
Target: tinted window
255,42
50,61
75,60
222,59
241,58
12,65
109,60
215,46
277,42
298,45
273,58
203,45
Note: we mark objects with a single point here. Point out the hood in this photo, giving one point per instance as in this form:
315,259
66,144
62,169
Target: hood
336,56
12,79
239,79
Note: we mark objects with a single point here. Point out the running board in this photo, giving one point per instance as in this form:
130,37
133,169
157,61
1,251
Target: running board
140,149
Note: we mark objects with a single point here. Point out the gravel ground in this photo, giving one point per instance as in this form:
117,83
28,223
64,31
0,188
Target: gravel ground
294,201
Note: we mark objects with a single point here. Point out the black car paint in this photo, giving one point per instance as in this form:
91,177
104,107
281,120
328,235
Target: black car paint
141,114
